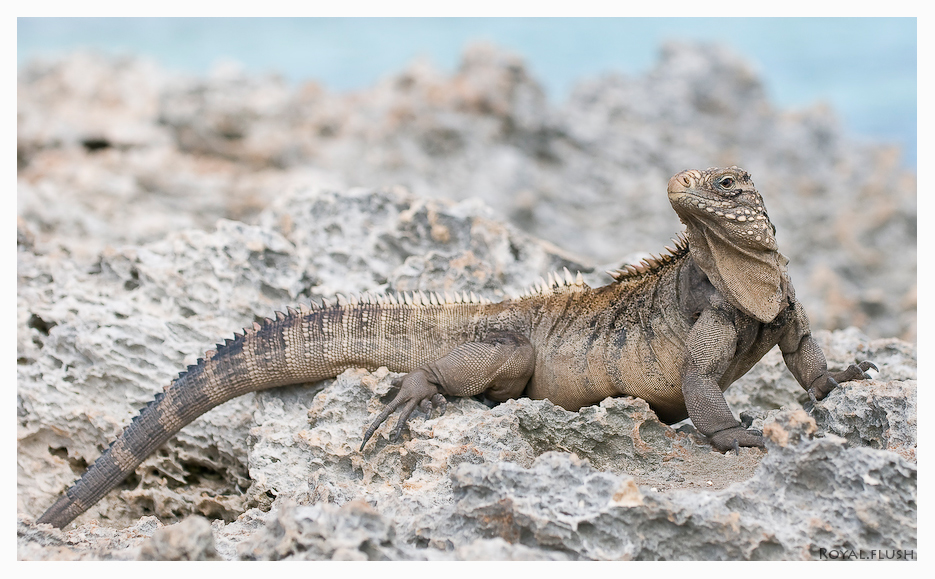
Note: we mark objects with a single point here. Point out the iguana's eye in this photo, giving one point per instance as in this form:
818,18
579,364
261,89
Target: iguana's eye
726,182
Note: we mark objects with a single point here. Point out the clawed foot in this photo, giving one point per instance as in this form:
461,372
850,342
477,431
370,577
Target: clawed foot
822,388
734,438
415,391
855,372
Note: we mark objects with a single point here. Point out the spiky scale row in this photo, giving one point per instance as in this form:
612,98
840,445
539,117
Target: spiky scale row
555,280
652,263
417,298
412,299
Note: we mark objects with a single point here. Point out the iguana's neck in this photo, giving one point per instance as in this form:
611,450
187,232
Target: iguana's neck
752,277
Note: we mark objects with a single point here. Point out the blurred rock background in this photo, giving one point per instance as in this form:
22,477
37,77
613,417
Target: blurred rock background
116,150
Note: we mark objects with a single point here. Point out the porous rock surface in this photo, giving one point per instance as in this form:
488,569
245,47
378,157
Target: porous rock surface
279,471
120,289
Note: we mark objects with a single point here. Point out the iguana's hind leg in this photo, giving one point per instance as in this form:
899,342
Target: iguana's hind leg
499,366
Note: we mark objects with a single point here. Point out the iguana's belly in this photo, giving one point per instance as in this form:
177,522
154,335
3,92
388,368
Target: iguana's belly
630,362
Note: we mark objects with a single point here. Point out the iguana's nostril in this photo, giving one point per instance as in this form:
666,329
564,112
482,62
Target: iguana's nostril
680,183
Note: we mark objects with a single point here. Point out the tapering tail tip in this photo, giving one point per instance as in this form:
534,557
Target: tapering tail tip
64,511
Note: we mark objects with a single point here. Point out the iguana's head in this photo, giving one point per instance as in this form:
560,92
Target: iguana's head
731,237
724,200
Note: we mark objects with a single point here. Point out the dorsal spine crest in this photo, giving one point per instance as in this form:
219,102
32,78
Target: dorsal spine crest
554,282
652,263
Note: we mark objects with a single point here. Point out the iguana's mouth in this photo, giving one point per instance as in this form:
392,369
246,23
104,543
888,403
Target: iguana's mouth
684,189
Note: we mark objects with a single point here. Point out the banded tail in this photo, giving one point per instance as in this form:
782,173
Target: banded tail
401,333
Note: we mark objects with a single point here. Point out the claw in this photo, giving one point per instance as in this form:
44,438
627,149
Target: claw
732,438
809,406
378,421
864,366
855,372
439,402
436,401
812,397
818,392
415,391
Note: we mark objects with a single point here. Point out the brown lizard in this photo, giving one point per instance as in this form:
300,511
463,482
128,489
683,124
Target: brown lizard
675,330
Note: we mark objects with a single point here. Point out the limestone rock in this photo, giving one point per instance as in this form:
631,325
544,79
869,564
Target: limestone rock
353,532
873,414
792,507
190,540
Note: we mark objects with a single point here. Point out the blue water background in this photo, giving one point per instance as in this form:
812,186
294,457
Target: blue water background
865,68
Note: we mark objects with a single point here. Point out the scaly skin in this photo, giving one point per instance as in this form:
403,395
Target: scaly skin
675,330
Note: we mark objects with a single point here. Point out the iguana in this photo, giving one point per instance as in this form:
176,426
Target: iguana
675,330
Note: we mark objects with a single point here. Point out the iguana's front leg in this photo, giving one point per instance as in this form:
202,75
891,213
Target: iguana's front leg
500,366
712,342
806,361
